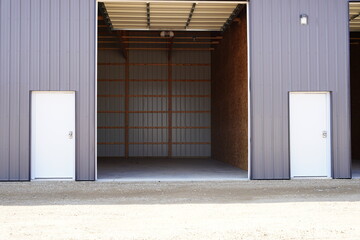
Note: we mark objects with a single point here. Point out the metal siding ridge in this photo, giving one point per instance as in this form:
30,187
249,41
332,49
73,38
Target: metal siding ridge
24,128
14,89
4,89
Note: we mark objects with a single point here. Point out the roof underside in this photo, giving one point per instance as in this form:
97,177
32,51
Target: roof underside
171,15
354,17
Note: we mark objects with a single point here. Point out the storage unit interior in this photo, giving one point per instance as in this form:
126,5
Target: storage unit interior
172,91
354,11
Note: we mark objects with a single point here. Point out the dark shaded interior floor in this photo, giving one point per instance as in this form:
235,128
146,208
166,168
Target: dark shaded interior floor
355,168
167,169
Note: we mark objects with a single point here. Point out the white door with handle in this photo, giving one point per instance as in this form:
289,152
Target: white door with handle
53,135
310,143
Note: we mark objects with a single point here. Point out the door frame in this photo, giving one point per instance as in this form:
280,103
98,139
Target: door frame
249,104
32,161
329,145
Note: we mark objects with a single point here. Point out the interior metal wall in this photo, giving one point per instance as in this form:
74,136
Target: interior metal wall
148,121
140,83
287,56
202,87
45,46
111,81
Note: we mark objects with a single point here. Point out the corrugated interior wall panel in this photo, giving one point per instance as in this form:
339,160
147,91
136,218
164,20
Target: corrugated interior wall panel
287,56
45,46
148,104
151,138
200,122
111,116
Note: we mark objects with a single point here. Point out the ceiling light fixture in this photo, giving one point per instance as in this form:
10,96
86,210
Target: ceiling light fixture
167,34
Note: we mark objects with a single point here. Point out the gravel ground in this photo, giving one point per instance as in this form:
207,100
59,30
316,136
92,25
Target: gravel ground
297,209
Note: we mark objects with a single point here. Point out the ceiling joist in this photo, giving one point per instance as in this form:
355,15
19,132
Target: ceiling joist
171,15
148,14
354,16
190,15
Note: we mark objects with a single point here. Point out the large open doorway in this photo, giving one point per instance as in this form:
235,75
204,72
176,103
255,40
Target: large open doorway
354,11
172,91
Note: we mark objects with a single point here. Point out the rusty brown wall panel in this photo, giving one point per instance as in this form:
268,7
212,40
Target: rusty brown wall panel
45,45
287,56
229,105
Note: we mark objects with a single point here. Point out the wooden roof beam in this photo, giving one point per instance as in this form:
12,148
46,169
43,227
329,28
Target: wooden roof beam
122,44
105,17
174,49
234,14
171,41
171,44
190,15
148,14
158,37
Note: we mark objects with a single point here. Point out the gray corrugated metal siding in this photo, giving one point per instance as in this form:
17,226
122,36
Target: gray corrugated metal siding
45,45
50,45
287,56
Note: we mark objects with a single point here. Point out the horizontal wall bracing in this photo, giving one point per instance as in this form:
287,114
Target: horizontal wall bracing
154,109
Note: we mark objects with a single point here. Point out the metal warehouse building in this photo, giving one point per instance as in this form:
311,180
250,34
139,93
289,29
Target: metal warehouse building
121,89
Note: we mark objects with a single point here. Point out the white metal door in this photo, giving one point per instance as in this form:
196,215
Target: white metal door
310,145
53,135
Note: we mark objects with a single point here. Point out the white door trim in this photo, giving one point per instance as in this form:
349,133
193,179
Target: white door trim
247,3
328,129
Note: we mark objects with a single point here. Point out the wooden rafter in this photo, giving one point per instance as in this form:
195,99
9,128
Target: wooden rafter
171,41
234,14
171,44
177,49
148,14
150,143
190,15
104,17
175,38
156,49
122,44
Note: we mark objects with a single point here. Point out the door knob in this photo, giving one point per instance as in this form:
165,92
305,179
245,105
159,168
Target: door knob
324,134
70,134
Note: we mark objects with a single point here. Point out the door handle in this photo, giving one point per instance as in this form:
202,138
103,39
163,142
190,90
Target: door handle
71,134
324,134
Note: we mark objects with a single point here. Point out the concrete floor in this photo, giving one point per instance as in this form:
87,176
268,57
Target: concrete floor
165,169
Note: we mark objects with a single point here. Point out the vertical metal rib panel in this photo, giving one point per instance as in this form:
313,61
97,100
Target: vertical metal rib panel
15,55
43,47
147,127
150,135
191,104
4,90
287,56
106,104
24,119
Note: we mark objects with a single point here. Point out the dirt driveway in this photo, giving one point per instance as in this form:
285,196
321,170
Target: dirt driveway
301,209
